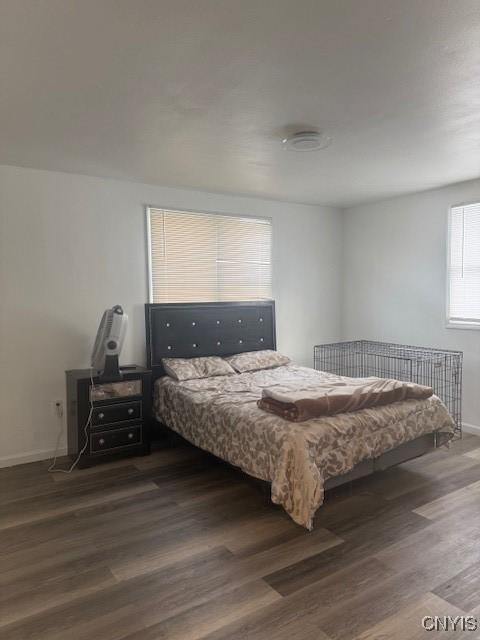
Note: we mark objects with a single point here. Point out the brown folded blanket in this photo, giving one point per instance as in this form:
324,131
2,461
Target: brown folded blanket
330,398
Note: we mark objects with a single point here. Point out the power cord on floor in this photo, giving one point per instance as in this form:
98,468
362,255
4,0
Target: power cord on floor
52,468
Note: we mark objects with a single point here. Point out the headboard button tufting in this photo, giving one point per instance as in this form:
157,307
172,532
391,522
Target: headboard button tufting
177,329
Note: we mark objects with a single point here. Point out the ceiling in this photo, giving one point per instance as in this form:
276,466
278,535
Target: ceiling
199,93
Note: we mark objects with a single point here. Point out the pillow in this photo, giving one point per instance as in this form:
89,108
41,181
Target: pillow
190,368
255,360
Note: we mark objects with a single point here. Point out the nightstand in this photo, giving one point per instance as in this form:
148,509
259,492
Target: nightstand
118,415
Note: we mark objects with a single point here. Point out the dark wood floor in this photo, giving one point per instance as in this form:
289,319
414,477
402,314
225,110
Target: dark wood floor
174,546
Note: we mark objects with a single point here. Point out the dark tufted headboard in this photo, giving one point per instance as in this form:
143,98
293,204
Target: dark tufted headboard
186,330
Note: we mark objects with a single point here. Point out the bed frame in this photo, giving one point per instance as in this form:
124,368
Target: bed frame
187,330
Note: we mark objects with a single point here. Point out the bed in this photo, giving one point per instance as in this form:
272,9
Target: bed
220,414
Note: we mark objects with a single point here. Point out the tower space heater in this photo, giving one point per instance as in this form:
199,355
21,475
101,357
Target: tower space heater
108,344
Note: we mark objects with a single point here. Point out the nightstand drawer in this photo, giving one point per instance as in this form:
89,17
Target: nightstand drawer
119,412
112,390
115,439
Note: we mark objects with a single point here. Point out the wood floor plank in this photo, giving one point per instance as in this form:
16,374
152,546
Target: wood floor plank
209,616
65,500
102,520
68,539
257,539
468,442
157,530
178,547
439,488
473,454
283,555
24,472
165,590
21,537
103,477
243,568
81,474
43,590
348,511
350,613
299,615
465,497
369,537
204,576
431,557
410,477
376,604
338,587
463,589
282,620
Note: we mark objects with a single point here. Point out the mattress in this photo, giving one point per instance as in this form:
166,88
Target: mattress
220,415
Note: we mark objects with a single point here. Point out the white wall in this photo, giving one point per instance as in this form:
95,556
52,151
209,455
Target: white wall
395,278
72,245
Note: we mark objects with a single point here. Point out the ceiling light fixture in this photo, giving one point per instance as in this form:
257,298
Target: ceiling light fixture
307,141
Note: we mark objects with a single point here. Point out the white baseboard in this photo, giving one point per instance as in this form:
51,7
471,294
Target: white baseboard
471,428
31,456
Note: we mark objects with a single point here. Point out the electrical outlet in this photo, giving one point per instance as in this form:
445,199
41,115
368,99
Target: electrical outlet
57,408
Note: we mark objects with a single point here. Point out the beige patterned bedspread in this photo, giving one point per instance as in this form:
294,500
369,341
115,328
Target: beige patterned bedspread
220,415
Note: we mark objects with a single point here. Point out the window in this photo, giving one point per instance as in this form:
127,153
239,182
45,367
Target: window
464,266
201,257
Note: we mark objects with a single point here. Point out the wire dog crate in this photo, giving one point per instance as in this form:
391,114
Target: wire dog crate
437,368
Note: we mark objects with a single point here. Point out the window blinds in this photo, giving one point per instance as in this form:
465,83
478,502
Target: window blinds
464,265
199,257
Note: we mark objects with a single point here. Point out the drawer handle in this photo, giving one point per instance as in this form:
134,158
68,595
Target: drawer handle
130,436
101,416
101,441
130,411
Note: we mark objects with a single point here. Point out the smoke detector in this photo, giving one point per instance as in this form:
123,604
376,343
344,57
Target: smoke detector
307,141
